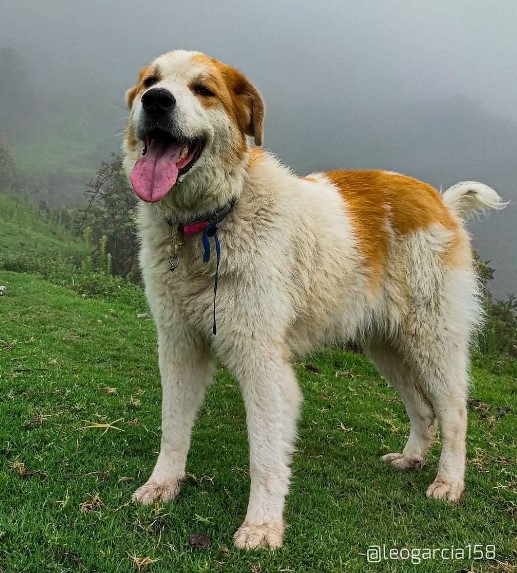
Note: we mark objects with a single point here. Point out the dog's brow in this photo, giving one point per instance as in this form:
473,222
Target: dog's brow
201,77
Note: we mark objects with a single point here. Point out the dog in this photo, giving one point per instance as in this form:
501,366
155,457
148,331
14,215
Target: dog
246,262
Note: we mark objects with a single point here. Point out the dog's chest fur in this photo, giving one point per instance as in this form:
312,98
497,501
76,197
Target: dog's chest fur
273,275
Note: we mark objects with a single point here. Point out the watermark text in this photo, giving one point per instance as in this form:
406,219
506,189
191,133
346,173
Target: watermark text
415,555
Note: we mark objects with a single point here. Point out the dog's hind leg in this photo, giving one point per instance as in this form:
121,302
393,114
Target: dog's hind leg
186,372
404,380
446,382
435,341
437,344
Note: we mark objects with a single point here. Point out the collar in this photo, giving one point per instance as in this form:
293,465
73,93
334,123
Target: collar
208,226
199,225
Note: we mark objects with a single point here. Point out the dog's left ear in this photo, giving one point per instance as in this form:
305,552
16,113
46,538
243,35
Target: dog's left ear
251,110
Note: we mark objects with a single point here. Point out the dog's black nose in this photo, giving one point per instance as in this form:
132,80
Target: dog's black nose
158,101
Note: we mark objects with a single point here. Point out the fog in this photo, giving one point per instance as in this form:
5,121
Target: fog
425,88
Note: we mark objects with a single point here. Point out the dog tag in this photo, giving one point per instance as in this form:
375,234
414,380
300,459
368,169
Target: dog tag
174,248
174,262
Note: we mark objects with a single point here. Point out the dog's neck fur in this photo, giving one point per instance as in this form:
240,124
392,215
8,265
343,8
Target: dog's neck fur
204,191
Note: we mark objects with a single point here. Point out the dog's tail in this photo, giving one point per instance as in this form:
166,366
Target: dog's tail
469,197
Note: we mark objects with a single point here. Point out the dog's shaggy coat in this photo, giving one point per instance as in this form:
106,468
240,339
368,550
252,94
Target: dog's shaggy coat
373,256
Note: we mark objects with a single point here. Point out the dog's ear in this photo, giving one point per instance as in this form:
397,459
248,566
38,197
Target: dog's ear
130,96
132,92
250,108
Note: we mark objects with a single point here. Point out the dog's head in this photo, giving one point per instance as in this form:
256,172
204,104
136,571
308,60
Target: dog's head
189,116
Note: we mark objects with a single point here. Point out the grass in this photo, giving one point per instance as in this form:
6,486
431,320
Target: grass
65,141
25,233
79,432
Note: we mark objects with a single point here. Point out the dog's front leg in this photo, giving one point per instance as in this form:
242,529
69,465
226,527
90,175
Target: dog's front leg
272,399
186,372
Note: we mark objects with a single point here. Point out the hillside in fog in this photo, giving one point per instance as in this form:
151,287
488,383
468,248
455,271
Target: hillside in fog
410,89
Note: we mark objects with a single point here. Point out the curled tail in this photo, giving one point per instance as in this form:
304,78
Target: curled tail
468,197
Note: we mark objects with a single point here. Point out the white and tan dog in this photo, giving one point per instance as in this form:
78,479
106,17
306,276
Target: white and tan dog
367,255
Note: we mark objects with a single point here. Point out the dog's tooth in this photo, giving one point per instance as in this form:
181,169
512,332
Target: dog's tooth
184,152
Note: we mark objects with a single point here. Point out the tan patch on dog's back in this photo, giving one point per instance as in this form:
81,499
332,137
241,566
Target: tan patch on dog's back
381,204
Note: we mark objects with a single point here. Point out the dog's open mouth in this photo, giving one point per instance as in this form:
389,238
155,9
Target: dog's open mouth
164,159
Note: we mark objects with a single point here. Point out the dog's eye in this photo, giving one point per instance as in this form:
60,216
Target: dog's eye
150,81
202,91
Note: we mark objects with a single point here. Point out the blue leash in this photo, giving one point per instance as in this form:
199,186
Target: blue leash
208,233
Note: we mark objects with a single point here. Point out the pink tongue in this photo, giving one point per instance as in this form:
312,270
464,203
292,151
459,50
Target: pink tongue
155,173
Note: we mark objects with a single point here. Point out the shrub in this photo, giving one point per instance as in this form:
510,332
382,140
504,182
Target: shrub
499,333
83,278
111,217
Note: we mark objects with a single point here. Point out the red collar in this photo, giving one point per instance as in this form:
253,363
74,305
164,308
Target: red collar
195,228
199,225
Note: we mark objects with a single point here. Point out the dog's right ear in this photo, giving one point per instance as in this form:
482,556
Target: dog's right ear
249,105
254,110
130,96
131,93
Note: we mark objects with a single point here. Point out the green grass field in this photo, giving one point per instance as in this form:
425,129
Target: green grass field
79,432
25,233
66,141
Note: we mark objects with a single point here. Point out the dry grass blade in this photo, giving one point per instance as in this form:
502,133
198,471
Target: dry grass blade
21,470
92,504
503,567
99,425
142,563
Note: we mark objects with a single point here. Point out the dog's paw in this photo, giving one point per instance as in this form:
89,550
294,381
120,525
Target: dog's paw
448,491
157,491
403,462
268,535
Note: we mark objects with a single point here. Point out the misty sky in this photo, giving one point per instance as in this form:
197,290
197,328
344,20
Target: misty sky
428,88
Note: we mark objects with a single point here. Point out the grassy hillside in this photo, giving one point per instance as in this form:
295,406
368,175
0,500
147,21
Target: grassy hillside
24,232
64,142
58,147
79,431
